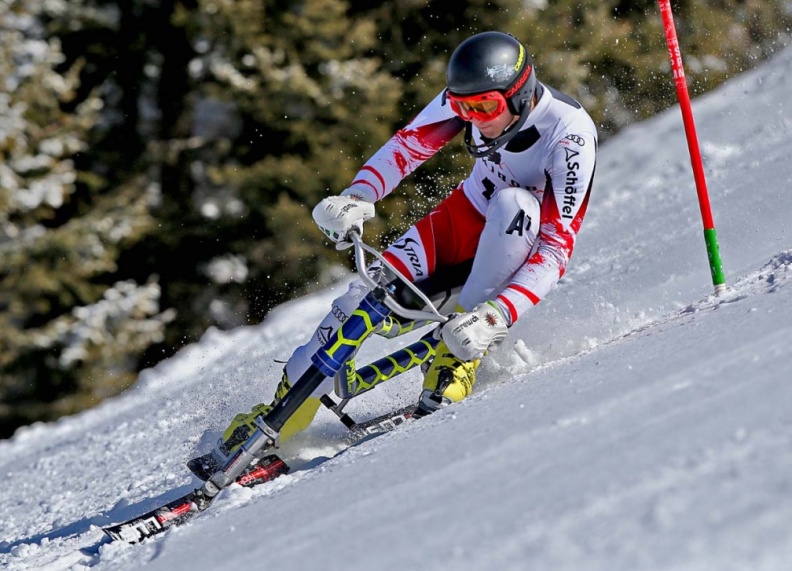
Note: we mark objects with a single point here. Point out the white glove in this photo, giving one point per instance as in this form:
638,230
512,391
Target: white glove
469,335
337,216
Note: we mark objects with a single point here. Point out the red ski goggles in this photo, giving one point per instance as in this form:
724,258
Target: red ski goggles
482,106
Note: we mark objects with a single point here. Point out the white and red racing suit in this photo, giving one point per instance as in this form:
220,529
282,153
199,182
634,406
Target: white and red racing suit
516,215
551,158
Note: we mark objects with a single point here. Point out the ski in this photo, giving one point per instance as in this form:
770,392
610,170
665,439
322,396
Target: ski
380,424
206,465
244,466
190,505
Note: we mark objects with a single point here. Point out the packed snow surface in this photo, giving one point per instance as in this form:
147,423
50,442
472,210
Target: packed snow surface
633,421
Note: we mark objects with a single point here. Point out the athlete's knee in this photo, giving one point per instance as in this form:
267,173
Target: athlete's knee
514,212
511,200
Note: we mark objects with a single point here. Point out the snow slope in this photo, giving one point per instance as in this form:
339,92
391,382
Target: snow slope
632,421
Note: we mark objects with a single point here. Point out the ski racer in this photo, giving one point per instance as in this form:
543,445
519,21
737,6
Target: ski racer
514,219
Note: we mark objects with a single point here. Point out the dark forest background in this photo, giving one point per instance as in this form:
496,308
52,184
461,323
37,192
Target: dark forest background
159,159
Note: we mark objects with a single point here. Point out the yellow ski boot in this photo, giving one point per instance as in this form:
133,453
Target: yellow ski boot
243,424
448,380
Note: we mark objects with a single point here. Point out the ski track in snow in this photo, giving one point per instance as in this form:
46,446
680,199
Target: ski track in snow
624,427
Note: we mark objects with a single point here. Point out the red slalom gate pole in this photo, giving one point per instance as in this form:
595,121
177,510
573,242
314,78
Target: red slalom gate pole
710,235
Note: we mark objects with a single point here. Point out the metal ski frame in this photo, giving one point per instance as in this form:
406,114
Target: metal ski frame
378,304
356,382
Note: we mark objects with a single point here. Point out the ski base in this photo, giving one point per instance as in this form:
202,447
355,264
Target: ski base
190,505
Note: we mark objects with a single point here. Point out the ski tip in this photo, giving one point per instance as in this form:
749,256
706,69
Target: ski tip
160,519
187,507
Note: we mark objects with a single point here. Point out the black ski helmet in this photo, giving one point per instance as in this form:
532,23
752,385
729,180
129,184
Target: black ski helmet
493,61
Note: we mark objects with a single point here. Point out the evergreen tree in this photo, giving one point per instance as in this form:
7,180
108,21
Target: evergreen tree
70,331
275,125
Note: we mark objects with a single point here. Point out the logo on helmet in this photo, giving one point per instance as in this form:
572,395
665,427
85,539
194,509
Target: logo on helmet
520,82
520,59
501,73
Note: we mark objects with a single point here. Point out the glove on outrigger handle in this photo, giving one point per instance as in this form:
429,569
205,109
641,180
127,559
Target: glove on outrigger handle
337,216
470,335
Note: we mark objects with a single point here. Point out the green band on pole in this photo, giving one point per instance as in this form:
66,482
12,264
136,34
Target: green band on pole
713,252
